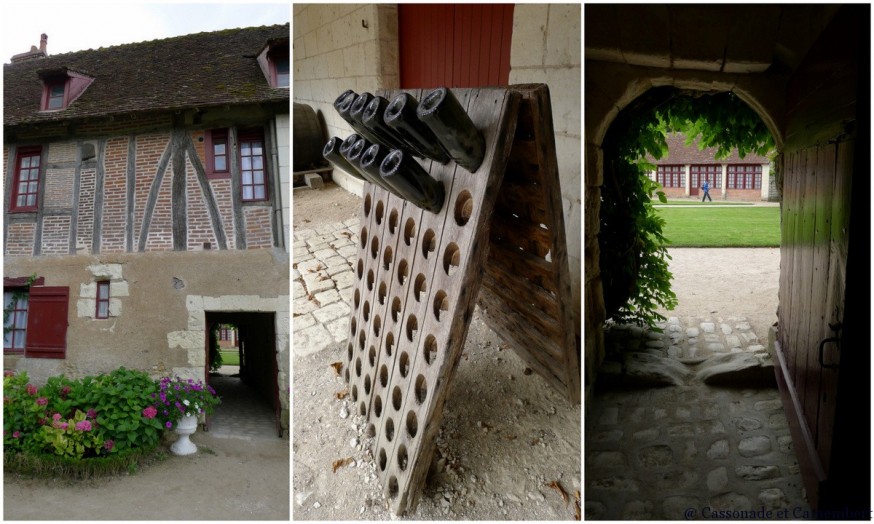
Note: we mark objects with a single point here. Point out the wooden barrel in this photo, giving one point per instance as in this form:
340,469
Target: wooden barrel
309,138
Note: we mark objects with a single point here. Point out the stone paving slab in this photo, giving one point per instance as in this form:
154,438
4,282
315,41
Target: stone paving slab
322,284
682,452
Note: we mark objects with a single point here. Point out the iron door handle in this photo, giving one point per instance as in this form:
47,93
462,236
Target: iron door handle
822,349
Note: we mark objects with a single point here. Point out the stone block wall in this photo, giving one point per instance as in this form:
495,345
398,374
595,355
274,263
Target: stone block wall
339,47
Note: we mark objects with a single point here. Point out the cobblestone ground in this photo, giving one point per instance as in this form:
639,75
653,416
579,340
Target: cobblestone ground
322,278
691,450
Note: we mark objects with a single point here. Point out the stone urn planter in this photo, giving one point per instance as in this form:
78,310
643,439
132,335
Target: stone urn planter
185,427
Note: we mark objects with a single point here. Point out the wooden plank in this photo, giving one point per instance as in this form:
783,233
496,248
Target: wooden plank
546,326
532,238
807,374
527,291
534,268
836,289
516,199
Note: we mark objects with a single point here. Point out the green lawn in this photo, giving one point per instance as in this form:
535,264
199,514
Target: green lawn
698,202
721,227
230,358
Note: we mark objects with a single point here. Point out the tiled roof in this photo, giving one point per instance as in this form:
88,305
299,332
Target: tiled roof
198,70
680,153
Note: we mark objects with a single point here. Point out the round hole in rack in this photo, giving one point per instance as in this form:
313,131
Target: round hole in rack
371,356
358,367
441,303
377,324
402,457
386,258
377,406
389,343
370,279
383,460
404,363
395,308
361,338
357,298
463,207
393,221
429,243
383,289
374,247
419,287
403,271
371,430
412,327
366,311
349,350
451,258
389,429
362,408
421,389
392,487
412,424
396,398
430,349
409,231
360,268
380,210
362,237
383,375
367,384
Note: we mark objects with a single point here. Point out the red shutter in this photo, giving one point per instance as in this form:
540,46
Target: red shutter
454,45
47,322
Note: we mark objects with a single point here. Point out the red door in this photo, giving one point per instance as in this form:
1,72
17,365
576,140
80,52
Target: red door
454,45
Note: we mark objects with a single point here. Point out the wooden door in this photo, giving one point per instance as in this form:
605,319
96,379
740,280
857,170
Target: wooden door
454,45
813,280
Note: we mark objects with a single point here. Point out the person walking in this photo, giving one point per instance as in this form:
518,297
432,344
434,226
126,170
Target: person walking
706,188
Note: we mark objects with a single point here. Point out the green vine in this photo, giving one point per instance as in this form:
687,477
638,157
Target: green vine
633,251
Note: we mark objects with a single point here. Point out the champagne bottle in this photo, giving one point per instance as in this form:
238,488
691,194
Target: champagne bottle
400,171
332,154
401,116
345,111
371,159
449,122
353,153
372,119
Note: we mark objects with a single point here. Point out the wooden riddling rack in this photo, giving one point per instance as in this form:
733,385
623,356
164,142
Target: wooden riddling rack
499,239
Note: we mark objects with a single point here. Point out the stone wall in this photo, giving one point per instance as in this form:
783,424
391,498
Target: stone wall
339,47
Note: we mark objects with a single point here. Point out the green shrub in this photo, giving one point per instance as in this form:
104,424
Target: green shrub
74,438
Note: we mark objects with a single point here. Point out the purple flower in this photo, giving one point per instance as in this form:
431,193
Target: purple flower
169,424
91,414
16,434
42,401
108,445
83,426
150,412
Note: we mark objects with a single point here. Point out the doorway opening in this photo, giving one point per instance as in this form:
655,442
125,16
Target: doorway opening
246,376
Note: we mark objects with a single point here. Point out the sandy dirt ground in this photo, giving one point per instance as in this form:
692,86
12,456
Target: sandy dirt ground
227,479
506,435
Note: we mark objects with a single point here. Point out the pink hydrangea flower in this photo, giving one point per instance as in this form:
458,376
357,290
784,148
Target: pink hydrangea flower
65,391
56,417
150,412
8,373
42,401
91,413
16,434
108,445
83,426
64,425
31,389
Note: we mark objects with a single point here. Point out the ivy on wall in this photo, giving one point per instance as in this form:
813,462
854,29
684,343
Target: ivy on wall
633,251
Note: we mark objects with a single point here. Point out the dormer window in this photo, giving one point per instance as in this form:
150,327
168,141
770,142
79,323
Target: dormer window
61,87
274,62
